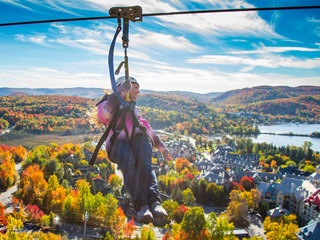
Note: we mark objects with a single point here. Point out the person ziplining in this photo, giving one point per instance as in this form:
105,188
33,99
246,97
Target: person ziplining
129,138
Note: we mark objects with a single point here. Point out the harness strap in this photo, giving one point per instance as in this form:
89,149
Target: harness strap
101,141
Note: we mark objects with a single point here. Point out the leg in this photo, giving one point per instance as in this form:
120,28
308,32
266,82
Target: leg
123,156
142,151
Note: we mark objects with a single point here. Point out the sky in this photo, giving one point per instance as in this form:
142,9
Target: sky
201,53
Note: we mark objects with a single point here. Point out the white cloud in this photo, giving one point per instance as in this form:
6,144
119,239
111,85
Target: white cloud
157,77
16,3
37,38
268,61
276,50
314,20
144,38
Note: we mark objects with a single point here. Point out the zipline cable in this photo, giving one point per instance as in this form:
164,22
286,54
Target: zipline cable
168,13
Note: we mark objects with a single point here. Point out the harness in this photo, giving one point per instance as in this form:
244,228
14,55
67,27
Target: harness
116,128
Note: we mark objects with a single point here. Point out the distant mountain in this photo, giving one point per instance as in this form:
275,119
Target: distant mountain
262,93
98,92
19,94
79,92
201,97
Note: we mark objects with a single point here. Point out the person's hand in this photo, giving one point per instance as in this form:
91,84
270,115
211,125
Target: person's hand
167,155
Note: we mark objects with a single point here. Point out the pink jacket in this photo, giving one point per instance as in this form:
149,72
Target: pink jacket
105,114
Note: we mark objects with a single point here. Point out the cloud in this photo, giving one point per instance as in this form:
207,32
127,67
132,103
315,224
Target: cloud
314,20
37,38
145,37
268,61
14,2
48,78
276,50
158,77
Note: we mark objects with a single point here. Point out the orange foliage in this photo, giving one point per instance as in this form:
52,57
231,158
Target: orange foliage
32,185
181,164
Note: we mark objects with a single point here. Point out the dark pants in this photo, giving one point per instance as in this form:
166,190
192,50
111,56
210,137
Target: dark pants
135,163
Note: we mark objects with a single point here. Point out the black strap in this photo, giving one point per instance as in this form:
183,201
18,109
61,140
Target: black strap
101,141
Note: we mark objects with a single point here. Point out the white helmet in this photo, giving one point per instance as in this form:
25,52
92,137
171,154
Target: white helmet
121,80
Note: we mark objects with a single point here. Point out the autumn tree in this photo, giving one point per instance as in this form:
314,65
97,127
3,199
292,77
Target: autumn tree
115,182
181,164
188,198
219,228
34,214
194,221
32,185
179,213
170,206
238,208
247,183
3,216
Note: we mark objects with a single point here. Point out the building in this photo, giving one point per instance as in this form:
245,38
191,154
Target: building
315,177
311,231
277,212
102,186
179,149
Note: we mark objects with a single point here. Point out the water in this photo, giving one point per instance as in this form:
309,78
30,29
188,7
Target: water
280,140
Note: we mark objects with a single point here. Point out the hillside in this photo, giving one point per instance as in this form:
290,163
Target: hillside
98,92
262,93
285,103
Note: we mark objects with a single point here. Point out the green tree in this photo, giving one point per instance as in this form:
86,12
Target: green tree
264,207
188,198
194,221
170,206
177,194
219,228
203,196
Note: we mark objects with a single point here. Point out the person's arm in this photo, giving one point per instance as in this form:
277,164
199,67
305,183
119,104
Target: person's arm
157,142
160,146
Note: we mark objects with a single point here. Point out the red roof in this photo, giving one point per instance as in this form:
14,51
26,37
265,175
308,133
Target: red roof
314,198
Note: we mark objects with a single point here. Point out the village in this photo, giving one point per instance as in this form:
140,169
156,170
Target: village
288,191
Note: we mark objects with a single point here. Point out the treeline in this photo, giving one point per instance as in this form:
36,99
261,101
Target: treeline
272,156
46,114
300,104
65,114
197,123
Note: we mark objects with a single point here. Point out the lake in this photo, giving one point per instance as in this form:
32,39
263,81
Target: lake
280,140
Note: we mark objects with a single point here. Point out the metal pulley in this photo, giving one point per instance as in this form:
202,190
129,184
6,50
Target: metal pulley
134,14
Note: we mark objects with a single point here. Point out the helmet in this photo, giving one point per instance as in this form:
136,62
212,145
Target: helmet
123,78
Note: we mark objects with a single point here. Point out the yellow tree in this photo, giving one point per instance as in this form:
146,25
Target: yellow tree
238,208
273,165
256,198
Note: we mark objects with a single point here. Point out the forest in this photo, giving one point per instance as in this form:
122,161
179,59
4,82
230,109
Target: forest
47,114
281,103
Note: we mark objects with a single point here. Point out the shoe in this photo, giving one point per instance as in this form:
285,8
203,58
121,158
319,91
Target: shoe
145,215
158,211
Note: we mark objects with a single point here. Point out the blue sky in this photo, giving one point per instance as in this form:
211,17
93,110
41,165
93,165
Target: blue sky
212,52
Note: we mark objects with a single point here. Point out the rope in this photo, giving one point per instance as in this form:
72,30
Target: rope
166,14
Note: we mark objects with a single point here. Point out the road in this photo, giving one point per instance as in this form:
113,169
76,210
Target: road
256,226
7,130
5,197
